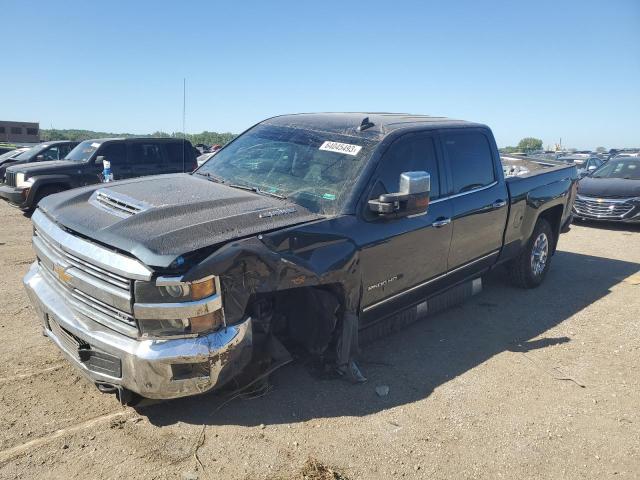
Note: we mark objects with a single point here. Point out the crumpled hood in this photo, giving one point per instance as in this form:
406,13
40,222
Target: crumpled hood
609,187
158,219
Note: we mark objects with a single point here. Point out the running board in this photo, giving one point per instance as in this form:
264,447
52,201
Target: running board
442,301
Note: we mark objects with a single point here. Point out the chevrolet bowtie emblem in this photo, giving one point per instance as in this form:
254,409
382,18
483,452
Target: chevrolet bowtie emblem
62,274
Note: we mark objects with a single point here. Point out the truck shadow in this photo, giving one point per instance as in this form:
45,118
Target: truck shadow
427,354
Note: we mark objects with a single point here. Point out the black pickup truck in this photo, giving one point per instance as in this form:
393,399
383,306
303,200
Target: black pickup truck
26,184
313,229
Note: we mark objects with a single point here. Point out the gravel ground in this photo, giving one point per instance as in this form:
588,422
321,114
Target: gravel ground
511,384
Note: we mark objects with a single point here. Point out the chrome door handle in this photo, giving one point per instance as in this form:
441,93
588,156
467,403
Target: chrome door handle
441,222
499,203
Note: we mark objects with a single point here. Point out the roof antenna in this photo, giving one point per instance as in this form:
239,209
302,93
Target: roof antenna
365,124
184,116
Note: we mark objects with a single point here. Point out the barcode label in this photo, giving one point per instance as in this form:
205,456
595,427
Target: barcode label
346,148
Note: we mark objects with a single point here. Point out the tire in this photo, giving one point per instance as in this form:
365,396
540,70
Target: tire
530,267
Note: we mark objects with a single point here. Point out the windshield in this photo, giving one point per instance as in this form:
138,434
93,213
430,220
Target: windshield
32,152
624,168
83,151
314,169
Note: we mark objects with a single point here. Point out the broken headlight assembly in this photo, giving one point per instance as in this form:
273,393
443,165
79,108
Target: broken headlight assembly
168,293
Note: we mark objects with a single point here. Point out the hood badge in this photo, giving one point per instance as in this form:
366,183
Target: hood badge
277,212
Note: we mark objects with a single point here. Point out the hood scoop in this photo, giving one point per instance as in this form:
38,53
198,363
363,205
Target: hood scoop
117,203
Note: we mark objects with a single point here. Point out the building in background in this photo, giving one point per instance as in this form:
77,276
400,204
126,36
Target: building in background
19,132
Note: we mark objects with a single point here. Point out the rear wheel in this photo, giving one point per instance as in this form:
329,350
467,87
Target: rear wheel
530,267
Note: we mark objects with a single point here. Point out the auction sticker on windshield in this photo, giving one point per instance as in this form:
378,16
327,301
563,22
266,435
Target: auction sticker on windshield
346,148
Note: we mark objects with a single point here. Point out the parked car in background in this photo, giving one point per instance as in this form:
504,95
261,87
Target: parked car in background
11,154
169,286
202,148
611,193
6,147
204,157
41,152
584,163
25,185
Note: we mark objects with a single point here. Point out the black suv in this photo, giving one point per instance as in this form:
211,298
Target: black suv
41,152
25,185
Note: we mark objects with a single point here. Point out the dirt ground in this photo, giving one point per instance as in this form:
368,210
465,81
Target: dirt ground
511,384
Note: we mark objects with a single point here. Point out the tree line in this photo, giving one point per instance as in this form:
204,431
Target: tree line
208,138
527,145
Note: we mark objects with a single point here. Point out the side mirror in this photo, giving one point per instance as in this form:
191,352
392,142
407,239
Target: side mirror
39,158
592,168
99,160
413,197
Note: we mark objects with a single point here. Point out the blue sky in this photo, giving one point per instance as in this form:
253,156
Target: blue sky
547,69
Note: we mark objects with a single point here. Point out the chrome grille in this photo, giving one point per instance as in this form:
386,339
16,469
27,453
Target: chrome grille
10,178
92,290
604,208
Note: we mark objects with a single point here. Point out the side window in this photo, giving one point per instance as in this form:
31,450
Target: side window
175,151
470,160
145,154
410,153
51,154
116,153
63,150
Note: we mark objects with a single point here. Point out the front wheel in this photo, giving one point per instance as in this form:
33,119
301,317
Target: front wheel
529,268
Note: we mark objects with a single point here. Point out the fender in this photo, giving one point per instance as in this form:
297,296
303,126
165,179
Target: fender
42,181
310,255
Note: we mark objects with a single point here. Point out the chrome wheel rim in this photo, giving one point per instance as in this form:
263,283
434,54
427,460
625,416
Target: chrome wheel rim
539,254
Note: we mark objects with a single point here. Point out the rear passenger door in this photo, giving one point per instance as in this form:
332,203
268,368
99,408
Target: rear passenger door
479,199
147,158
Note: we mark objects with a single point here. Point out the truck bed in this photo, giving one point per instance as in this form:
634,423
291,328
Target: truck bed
551,186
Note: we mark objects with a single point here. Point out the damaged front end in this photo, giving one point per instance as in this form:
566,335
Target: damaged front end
127,331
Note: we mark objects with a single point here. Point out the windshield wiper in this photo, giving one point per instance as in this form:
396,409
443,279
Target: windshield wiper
258,191
213,178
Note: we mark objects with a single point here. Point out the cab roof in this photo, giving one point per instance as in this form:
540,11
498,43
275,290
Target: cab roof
348,123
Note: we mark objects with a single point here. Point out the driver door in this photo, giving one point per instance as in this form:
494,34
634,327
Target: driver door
402,257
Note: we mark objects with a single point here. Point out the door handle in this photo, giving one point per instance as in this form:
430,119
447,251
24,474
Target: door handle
441,222
499,203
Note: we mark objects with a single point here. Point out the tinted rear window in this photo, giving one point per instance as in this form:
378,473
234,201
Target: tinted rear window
470,159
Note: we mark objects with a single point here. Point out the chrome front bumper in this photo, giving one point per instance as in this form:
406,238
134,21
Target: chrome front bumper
160,369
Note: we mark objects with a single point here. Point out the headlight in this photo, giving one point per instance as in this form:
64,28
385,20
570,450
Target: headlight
21,182
172,289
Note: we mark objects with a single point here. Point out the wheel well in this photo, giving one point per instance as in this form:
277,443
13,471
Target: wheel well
554,216
50,188
306,317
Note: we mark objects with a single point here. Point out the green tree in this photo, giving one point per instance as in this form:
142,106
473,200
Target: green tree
529,144
208,138
601,150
